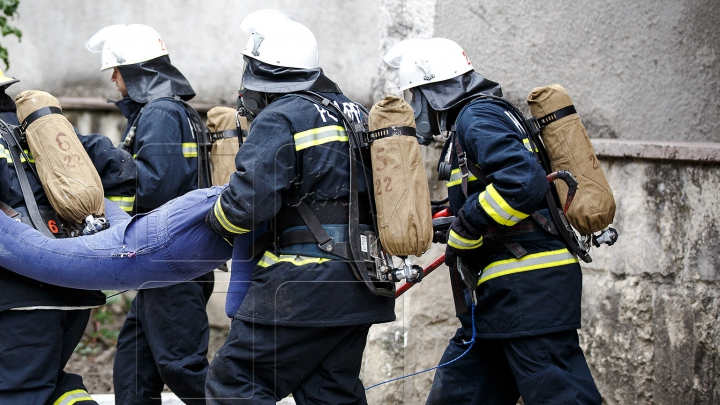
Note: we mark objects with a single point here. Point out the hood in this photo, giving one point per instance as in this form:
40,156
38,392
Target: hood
155,78
7,104
266,78
449,93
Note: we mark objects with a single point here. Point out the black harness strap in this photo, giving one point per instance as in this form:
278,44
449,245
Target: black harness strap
556,115
39,113
355,251
228,133
25,187
388,132
317,233
561,226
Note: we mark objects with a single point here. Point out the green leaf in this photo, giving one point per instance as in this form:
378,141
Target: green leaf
8,9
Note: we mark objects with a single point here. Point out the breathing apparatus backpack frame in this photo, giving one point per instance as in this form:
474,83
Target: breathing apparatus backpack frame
202,136
560,225
49,223
364,252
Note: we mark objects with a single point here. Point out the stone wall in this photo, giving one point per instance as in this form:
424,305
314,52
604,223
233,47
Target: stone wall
651,303
650,307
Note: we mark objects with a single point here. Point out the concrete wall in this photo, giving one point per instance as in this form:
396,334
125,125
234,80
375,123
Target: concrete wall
203,38
635,70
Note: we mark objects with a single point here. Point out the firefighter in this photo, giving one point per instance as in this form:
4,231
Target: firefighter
42,323
303,324
164,339
527,285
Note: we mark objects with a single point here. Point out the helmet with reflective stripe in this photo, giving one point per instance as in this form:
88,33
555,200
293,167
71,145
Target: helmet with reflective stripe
423,61
126,44
280,40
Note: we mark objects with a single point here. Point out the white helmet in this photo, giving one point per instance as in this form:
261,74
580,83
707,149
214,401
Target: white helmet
126,44
423,61
280,40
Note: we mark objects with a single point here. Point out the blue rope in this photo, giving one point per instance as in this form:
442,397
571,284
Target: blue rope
471,343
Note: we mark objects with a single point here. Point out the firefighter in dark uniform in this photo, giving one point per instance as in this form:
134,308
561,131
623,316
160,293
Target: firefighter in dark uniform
529,285
303,324
164,339
42,324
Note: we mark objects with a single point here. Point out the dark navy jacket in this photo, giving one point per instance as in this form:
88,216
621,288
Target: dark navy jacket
538,292
296,142
165,151
118,175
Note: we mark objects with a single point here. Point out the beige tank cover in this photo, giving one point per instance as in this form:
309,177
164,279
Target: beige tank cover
70,180
402,195
569,148
223,151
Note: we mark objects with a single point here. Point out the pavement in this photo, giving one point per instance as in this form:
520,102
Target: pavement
167,399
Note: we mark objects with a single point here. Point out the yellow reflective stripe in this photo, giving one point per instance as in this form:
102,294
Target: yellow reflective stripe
190,149
224,222
456,178
498,209
126,203
71,397
458,242
319,136
5,154
269,259
529,262
529,145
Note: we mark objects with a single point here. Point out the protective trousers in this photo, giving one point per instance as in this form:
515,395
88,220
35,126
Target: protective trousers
544,370
164,341
35,346
262,364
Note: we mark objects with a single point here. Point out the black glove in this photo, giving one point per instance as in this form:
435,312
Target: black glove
462,239
441,225
212,223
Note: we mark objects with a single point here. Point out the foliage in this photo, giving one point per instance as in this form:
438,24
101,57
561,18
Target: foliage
7,11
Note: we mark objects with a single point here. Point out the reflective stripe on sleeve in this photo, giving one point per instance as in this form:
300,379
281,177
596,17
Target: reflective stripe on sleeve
319,136
498,209
456,178
5,154
125,203
224,222
72,397
529,145
529,262
458,242
190,149
270,259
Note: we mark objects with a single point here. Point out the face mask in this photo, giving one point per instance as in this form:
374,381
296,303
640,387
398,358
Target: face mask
423,130
250,103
